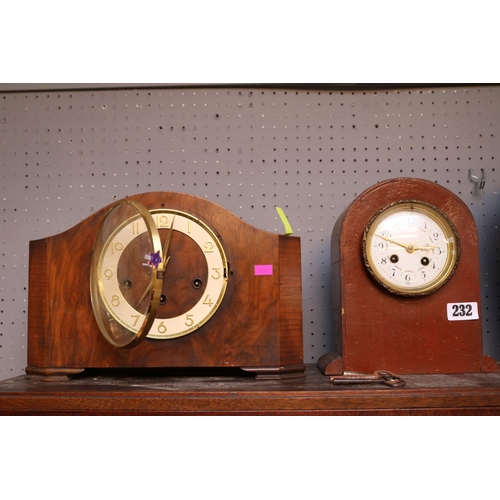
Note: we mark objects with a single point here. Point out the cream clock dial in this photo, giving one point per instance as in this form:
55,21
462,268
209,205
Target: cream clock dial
188,273
411,248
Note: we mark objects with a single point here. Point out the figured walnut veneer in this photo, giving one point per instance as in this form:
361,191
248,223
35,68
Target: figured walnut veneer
258,326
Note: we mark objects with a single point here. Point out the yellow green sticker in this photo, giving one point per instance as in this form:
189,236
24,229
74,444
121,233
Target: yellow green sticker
288,228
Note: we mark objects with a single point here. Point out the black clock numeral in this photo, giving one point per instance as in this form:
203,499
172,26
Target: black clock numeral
460,310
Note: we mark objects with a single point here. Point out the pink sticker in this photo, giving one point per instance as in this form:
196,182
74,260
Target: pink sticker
264,270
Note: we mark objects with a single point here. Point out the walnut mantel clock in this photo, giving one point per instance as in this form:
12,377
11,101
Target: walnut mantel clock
165,280
406,291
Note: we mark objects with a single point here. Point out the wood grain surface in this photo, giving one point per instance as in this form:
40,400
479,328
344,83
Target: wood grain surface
375,329
257,326
229,392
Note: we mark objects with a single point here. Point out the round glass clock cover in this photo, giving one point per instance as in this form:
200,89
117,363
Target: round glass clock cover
119,264
159,273
411,248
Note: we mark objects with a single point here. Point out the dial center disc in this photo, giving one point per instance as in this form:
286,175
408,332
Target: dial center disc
186,265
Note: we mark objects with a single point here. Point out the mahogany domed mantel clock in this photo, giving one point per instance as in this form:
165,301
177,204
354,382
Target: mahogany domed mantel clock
165,280
406,290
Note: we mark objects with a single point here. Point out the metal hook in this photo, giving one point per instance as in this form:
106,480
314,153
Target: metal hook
480,181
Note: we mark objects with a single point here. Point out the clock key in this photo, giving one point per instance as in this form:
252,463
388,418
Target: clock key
379,377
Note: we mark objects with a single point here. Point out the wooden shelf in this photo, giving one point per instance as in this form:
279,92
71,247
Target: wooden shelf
231,393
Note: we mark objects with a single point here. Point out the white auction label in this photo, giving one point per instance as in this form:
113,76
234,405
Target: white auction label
462,311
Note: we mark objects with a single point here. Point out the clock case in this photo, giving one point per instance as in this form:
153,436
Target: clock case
375,329
258,326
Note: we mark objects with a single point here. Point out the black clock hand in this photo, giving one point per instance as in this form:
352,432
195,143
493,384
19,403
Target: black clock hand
150,286
395,242
408,248
167,241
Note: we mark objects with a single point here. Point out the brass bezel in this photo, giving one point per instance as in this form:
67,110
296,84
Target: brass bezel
448,229
134,337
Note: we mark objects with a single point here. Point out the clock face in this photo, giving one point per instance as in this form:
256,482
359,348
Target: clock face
192,270
411,248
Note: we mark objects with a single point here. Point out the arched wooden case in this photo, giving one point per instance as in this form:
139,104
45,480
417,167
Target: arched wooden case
375,329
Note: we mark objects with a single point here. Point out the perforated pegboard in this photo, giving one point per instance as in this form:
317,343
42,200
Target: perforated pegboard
65,154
